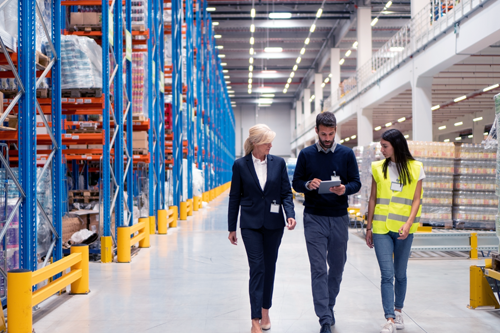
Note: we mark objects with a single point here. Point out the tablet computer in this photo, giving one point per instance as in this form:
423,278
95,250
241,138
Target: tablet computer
324,187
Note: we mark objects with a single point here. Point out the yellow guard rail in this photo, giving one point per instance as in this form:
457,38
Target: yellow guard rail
21,299
125,242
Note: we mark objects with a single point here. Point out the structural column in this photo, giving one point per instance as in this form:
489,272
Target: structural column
421,109
335,72
365,127
318,92
298,117
338,134
478,131
307,104
364,31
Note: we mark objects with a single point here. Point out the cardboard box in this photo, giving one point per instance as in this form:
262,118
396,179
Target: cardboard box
95,146
140,144
78,147
70,225
76,19
139,136
90,18
13,122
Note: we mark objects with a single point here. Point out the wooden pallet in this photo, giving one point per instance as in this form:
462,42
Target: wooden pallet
140,151
84,130
85,195
138,118
85,27
139,27
82,92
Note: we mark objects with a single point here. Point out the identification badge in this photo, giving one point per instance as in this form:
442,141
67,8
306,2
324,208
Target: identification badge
335,178
395,186
275,208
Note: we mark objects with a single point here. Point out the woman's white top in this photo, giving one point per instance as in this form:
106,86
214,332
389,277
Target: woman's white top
393,172
260,170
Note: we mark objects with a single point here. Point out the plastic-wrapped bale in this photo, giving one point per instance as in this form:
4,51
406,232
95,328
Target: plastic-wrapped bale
81,63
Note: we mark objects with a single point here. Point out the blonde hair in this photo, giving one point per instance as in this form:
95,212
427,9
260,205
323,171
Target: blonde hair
258,134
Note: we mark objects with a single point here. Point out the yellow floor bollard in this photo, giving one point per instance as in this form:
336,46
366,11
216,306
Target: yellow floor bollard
190,210
152,225
81,286
473,245
145,243
183,214
196,203
123,245
106,249
19,301
162,222
173,224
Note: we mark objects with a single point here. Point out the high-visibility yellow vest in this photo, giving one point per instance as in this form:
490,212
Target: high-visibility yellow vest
393,208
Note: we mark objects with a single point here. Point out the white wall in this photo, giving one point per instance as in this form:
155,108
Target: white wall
277,117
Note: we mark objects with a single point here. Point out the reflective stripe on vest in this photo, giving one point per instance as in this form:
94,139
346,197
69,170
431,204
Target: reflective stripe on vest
393,208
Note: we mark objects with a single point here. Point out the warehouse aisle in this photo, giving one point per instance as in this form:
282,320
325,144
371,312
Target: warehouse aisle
194,280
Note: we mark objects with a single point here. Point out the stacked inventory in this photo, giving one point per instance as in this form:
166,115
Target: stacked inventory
370,153
475,204
139,78
437,158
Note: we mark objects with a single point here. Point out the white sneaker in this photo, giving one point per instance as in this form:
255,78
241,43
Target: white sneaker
389,327
398,321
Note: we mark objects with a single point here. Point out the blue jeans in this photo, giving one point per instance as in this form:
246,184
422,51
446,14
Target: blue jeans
387,245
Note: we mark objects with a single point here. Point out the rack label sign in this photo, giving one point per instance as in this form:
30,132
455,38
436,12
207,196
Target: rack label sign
162,82
128,43
154,71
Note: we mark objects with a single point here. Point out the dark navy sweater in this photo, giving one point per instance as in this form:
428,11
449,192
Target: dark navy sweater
313,164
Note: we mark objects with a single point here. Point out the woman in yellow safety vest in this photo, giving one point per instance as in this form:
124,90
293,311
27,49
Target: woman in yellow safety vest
393,216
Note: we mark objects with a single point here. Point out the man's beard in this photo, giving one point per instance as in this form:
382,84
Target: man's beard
325,145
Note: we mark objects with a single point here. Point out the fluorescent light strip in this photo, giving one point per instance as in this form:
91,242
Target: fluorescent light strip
280,15
211,9
313,27
460,123
320,11
442,127
400,120
273,49
477,119
491,87
435,107
458,99
378,128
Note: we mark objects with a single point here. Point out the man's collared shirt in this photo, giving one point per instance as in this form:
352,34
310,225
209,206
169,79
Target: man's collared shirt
326,151
260,170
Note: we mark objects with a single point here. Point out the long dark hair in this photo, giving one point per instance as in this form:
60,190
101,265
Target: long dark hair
402,155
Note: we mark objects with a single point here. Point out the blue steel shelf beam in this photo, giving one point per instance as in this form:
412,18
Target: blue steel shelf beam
190,95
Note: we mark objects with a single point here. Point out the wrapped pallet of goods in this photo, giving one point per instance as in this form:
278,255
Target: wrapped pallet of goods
475,204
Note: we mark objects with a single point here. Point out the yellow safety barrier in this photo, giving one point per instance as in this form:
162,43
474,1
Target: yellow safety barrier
125,242
473,245
106,249
196,203
481,294
152,225
173,215
189,207
183,211
21,299
162,222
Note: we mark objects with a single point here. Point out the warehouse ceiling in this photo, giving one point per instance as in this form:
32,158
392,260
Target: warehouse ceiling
468,77
336,27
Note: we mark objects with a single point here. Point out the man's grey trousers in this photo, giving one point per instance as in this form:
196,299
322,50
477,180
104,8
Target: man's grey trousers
326,239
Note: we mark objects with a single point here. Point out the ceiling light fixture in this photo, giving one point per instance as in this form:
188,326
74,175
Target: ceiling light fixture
435,107
211,9
470,136
303,50
375,20
265,100
226,76
348,53
222,55
232,96
298,60
292,74
252,40
378,128
400,120
442,127
389,124
446,140
250,60
218,36
313,27
220,47
228,82
295,67
251,51
407,136
307,41
250,68
341,62
353,137
341,141
347,139
287,85
460,123
252,12
491,87
396,49
327,80
273,49
250,81
458,138
458,99
250,74
389,4
477,119
355,44
280,15
313,97
323,85
485,133
249,91
289,80
225,71
284,91
252,27
319,12
267,95
223,63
